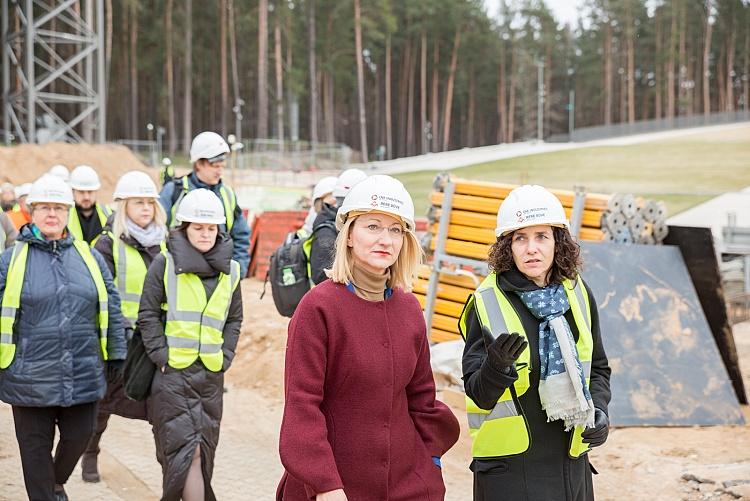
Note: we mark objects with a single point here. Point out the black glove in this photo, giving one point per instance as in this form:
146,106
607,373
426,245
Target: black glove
113,371
503,352
597,435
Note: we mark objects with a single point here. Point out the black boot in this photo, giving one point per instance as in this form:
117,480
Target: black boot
60,494
89,470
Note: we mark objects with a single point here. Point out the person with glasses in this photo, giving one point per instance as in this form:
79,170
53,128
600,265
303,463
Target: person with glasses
361,420
61,337
208,154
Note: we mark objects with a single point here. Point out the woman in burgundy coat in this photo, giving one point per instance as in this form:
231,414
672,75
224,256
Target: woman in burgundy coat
360,420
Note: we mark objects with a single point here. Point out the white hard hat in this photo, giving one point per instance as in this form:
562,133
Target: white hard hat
323,187
60,171
529,205
346,181
207,145
84,178
201,206
135,184
50,189
379,193
23,190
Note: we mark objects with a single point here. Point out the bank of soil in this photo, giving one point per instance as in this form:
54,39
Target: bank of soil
643,463
26,162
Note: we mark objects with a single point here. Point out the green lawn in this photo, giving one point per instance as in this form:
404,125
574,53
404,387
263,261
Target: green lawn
682,172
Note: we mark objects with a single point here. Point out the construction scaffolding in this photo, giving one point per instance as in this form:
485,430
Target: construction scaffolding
54,85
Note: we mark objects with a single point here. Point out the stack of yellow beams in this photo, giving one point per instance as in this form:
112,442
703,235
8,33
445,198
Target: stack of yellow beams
474,209
451,295
471,232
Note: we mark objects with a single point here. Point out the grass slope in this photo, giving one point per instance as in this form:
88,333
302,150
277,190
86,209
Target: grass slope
682,172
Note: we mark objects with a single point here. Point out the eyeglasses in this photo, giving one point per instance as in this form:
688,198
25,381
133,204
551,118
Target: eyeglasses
393,231
52,208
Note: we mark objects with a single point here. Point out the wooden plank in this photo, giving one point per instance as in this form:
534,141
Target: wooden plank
439,336
445,323
449,279
489,207
500,190
442,306
444,291
487,236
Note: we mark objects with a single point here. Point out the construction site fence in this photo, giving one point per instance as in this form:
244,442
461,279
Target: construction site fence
653,125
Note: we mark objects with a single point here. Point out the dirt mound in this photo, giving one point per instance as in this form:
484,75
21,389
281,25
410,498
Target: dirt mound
25,163
259,364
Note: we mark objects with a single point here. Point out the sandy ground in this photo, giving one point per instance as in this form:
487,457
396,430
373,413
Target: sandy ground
635,463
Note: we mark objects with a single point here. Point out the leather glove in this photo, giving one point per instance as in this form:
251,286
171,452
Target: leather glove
597,435
114,369
503,352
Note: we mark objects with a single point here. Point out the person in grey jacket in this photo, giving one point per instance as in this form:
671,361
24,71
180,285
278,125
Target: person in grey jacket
61,332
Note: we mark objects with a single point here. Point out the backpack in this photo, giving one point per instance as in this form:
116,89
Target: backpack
289,272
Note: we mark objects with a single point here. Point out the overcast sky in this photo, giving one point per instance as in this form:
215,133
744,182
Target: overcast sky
565,11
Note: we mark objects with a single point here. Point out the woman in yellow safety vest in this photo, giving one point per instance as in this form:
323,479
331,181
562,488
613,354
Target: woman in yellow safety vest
189,317
134,236
60,328
535,372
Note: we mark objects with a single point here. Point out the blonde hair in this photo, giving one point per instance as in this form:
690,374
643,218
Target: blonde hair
403,271
119,227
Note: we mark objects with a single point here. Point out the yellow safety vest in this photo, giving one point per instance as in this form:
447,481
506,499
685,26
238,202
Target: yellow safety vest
74,224
502,431
195,324
227,198
130,270
12,298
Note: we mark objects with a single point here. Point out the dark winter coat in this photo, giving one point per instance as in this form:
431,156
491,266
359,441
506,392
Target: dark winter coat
185,405
115,401
58,359
324,245
545,472
360,411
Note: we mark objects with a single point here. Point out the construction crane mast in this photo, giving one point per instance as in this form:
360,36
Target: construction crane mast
53,74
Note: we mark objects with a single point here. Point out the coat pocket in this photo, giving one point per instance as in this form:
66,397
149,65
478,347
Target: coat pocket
499,476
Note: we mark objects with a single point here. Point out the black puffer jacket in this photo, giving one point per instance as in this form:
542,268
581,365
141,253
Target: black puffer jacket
324,245
115,401
187,260
545,471
185,406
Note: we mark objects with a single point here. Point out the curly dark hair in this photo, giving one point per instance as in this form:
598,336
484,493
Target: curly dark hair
566,264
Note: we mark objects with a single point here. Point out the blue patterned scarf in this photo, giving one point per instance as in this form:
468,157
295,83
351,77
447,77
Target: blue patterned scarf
562,384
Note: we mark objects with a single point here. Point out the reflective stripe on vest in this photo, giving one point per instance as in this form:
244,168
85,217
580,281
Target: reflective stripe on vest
12,298
502,431
74,224
195,324
227,196
130,269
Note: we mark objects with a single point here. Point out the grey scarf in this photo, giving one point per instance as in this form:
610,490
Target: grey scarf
149,236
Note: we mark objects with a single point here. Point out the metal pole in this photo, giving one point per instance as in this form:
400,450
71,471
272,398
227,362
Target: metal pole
30,76
540,100
571,113
442,235
88,123
6,72
101,92
747,274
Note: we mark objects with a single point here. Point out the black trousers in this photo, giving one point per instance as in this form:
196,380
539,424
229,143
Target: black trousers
102,419
35,432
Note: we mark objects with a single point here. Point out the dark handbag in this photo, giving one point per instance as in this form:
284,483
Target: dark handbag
139,369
